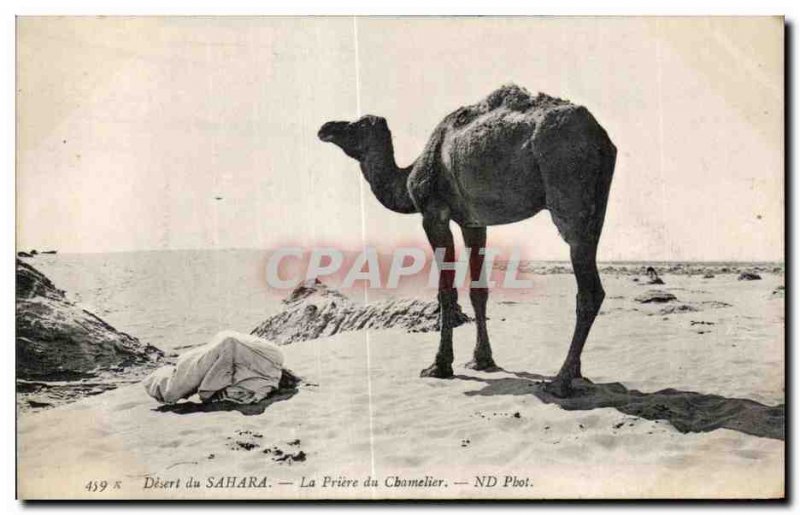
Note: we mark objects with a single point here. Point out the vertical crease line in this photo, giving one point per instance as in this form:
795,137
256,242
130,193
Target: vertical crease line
661,136
364,249
215,240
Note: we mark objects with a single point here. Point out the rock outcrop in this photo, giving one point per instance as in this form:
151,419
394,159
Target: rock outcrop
313,310
58,340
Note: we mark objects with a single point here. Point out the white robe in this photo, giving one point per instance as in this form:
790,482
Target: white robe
241,367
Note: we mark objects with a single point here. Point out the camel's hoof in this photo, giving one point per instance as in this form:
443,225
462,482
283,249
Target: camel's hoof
559,387
440,372
486,365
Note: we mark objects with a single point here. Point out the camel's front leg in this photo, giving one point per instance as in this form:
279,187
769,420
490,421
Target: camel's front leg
475,240
437,228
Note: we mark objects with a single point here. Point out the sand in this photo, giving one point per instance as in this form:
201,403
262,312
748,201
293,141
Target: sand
363,411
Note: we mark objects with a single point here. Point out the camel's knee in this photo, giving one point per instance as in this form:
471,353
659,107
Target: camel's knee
478,296
598,298
448,299
589,301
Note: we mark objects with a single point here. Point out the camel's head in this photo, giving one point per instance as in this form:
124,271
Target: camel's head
356,138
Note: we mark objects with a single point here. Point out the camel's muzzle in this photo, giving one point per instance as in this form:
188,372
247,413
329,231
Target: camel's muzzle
331,129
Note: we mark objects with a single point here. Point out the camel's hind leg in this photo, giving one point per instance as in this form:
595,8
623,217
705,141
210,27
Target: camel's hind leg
475,241
589,299
576,160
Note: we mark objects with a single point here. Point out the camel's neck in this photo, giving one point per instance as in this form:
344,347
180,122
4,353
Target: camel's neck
387,181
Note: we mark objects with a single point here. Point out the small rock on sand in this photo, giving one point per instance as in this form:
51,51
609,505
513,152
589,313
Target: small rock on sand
749,276
677,309
657,296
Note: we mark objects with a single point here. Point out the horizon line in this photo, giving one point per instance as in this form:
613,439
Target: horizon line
267,249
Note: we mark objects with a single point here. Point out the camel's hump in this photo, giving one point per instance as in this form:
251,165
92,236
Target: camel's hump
510,97
517,98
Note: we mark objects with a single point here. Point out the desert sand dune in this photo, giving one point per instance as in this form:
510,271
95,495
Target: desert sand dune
671,411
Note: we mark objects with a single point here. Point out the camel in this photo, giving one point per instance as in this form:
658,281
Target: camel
499,161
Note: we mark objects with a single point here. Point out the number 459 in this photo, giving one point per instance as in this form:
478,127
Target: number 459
96,486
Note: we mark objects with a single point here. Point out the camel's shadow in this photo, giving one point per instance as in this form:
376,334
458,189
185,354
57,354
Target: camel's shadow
688,412
258,408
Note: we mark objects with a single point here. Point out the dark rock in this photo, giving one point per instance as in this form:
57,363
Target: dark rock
24,254
289,457
38,404
715,304
32,283
313,310
678,309
655,296
57,340
749,276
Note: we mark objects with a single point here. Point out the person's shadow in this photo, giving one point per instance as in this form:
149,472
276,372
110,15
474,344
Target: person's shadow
688,412
257,408
287,388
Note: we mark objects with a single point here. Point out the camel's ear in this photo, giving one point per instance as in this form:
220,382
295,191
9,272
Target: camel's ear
379,123
374,121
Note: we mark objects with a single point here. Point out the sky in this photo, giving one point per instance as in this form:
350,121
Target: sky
200,132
